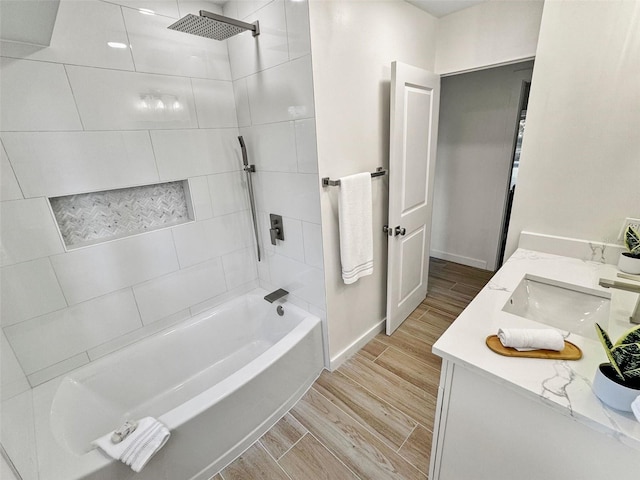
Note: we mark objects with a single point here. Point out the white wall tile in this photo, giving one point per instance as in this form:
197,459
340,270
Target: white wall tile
177,291
194,7
12,377
230,9
117,100
312,244
272,147
27,231
298,28
249,7
9,188
36,96
200,197
273,97
44,341
18,434
264,274
5,470
156,49
93,24
242,102
191,153
292,246
306,146
249,54
201,241
215,103
60,368
29,289
137,335
240,267
63,163
225,297
93,271
297,278
167,8
229,192
292,195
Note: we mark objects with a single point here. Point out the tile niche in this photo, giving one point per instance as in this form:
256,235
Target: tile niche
91,218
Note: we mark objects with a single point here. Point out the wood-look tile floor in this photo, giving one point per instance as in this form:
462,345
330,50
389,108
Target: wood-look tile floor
372,418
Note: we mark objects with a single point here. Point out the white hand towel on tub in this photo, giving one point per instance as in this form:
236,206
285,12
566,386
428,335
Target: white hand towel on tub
356,226
523,339
139,446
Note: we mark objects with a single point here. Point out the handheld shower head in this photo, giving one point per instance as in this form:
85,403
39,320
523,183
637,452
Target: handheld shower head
245,160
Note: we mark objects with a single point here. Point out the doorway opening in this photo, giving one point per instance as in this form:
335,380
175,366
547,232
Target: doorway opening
515,164
479,143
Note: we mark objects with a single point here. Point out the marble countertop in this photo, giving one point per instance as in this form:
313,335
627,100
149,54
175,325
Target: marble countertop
565,386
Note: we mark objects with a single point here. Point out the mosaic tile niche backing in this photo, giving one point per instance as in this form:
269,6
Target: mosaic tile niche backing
90,218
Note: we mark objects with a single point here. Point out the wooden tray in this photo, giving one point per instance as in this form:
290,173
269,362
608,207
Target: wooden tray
570,352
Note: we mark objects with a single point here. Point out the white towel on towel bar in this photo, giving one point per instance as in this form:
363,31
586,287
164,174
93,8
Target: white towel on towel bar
356,226
139,446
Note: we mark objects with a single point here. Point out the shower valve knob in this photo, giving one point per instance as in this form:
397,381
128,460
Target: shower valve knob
277,229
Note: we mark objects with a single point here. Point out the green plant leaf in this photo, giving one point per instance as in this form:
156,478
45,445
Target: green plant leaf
630,336
608,348
632,240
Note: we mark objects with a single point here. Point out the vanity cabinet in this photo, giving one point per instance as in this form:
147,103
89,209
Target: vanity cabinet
486,430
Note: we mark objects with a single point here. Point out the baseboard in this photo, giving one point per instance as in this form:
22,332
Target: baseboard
571,247
452,257
357,345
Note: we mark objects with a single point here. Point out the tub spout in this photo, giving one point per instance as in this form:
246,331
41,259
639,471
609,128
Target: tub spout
273,296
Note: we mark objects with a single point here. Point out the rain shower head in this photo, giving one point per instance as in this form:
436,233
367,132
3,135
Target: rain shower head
212,25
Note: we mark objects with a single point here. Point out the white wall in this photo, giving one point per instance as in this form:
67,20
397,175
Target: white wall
490,33
72,123
479,113
353,45
580,166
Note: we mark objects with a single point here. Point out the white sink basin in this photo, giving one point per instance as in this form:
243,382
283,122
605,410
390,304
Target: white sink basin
561,305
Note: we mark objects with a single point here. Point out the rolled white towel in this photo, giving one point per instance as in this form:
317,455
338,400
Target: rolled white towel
525,339
137,448
635,407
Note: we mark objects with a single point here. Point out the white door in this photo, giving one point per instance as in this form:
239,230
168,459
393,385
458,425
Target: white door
415,102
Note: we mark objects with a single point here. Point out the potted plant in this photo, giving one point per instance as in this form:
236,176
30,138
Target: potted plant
617,383
629,262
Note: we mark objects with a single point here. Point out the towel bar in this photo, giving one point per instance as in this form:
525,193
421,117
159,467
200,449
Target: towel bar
327,182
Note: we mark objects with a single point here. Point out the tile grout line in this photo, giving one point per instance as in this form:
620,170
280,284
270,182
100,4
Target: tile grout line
381,399
369,428
405,440
288,449
334,456
258,442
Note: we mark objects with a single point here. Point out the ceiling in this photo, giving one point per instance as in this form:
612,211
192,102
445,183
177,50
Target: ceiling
440,8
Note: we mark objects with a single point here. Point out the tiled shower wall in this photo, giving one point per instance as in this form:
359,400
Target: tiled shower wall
277,119
74,120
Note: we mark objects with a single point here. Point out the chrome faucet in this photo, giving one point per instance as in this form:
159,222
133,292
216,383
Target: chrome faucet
628,287
273,296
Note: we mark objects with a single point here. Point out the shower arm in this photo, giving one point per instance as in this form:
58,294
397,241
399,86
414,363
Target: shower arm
254,27
249,169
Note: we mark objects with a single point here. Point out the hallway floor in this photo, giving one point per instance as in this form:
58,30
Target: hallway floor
372,418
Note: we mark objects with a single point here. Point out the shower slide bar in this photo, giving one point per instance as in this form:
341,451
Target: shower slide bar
327,182
249,169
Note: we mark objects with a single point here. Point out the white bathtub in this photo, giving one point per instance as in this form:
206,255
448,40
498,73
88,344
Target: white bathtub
218,381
